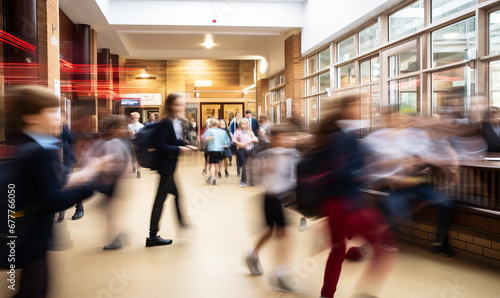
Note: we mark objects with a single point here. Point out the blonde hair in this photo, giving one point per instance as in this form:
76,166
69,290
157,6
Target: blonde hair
214,123
135,115
248,129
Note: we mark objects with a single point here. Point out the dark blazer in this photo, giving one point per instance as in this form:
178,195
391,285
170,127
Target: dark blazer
255,126
490,136
167,148
39,194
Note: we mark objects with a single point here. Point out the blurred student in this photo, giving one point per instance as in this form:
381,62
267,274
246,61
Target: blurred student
39,179
490,129
264,133
244,140
69,162
168,148
134,128
226,154
152,119
202,132
114,130
279,180
233,126
217,140
347,211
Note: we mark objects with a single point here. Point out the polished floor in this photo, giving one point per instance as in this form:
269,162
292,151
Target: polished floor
207,260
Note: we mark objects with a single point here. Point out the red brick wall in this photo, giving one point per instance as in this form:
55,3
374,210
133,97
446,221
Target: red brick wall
294,71
48,53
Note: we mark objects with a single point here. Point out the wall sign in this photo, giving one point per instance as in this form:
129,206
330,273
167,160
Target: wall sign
147,99
130,102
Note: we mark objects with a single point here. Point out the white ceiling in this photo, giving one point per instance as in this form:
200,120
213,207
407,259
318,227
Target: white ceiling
167,29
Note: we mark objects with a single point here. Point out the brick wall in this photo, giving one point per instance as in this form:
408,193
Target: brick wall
294,71
48,53
475,245
262,87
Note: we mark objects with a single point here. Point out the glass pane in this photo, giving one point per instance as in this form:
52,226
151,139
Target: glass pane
365,109
345,49
369,38
405,62
494,32
324,81
347,75
272,83
324,58
312,85
375,64
312,112
443,8
211,110
450,43
312,65
451,92
376,107
405,93
324,101
281,79
407,20
364,71
495,83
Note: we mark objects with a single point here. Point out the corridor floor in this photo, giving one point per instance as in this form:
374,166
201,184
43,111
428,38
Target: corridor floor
207,260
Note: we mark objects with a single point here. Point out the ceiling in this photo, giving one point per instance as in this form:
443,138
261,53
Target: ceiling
167,29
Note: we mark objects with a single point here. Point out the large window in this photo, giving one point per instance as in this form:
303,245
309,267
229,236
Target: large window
449,44
346,75
405,94
324,82
311,65
495,83
443,8
312,86
369,38
346,49
406,59
324,58
452,91
407,20
369,70
494,33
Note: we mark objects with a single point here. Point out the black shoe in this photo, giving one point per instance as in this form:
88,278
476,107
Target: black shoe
220,175
138,174
78,215
133,169
157,241
443,250
61,216
204,172
227,174
116,244
230,164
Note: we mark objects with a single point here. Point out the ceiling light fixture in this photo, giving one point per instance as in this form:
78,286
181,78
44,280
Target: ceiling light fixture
263,65
209,42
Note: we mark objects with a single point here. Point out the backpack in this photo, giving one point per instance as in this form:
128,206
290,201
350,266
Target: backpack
312,181
144,145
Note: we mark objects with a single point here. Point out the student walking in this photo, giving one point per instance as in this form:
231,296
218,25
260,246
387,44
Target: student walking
244,140
217,140
226,154
168,148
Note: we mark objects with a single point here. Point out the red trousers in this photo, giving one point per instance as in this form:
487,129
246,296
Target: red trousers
367,222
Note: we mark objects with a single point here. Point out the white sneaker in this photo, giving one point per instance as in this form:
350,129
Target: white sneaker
254,264
282,281
303,224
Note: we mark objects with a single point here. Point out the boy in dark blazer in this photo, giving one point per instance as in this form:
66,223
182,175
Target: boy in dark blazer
254,124
39,189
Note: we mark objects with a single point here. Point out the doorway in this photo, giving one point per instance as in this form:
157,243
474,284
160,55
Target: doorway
225,111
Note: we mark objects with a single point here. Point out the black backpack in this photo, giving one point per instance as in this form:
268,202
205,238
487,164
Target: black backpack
144,145
313,177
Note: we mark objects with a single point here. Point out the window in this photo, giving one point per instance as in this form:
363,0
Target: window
272,83
369,38
403,63
324,58
345,49
347,75
449,44
324,82
495,83
312,112
494,33
443,8
312,86
451,92
281,79
369,70
407,20
405,94
311,65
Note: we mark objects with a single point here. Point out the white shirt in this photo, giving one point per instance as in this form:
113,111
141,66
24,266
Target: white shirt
179,131
135,127
281,175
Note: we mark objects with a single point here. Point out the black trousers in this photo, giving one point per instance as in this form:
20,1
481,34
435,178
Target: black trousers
34,280
166,186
